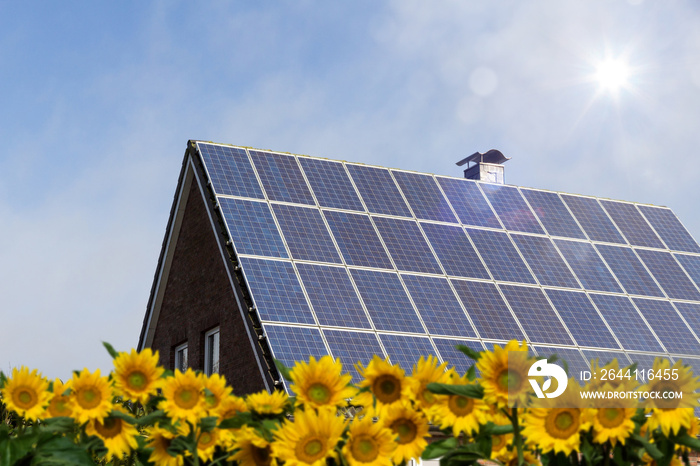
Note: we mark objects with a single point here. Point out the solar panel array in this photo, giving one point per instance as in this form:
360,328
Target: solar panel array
354,260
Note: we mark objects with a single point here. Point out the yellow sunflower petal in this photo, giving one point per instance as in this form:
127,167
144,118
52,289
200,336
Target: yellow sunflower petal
26,393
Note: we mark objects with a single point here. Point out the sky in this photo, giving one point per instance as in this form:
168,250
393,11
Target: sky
99,99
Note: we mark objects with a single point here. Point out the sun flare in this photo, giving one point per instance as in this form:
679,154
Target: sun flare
612,75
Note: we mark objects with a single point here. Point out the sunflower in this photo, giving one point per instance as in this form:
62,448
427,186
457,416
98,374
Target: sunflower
253,450
91,396
613,424
308,440
551,427
427,371
160,439
670,414
118,436
499,443
600,383
230,406
207,441
216,391
369,444
321,384
26,393
510,458
184,397
137,375
462,413
649,461
60,403
267,403
693,431
411,430
387,385
504,374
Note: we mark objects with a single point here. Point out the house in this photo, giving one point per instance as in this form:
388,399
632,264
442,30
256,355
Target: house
273,255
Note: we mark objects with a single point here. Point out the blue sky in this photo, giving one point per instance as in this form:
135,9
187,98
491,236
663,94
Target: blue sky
99,100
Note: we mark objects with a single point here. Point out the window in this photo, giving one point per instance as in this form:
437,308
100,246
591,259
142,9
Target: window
181,358
211,351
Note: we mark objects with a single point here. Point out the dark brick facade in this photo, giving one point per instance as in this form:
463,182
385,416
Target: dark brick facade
198,297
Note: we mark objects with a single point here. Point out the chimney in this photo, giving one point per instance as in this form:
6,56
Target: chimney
487,166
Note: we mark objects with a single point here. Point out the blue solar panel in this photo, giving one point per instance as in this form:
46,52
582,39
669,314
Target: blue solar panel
604,357
332,296
579,315
454,357
691,314
281,177
669,274
628,325
252,228
511,208
645,361
487,309
378,190
405,350
587,265
331,184
500,255
574,360
668,326
306,234
469,202
386,301
406,245
691,264
424,197
454,250
629,270
632,224
670,229
357,240
545,261
276,291
536,315
438,306
230,171
593,219
291,344
353,347
553,214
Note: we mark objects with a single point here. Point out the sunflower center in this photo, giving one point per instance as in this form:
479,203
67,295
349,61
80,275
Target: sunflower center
109,427
670,402
137,380
25,398
498,442
509,380
319,393
386,388
611,417
562,423
405,429
58,407
461,405
261,456
310,449
212,401
186,397
206,439
89,398
364,449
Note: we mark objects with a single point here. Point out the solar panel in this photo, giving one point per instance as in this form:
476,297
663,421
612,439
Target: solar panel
604,357
435,261
670,229
545,261
553,214
632,224
305,233
406,245
574,360
378,190
469,202
511,208
593,219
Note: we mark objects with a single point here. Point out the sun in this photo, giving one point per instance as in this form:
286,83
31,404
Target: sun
613,75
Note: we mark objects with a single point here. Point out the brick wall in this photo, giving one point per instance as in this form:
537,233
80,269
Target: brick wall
198,297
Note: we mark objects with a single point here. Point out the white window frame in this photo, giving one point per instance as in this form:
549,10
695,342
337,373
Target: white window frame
180,351
211,351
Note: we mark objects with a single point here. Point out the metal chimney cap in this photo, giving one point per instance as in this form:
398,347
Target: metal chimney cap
492,156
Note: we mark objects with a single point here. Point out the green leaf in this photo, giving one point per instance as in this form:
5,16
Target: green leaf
3,379
150,419
61,451
58,425
439,448
208,423
236,422
470,391
123,416
284,370
110,349
493,429
653,451
590,453
688,441
13,449
475,355
471,373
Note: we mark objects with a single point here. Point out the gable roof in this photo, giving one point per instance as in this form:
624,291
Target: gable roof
355,260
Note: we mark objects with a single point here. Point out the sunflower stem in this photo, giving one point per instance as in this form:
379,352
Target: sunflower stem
517,438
